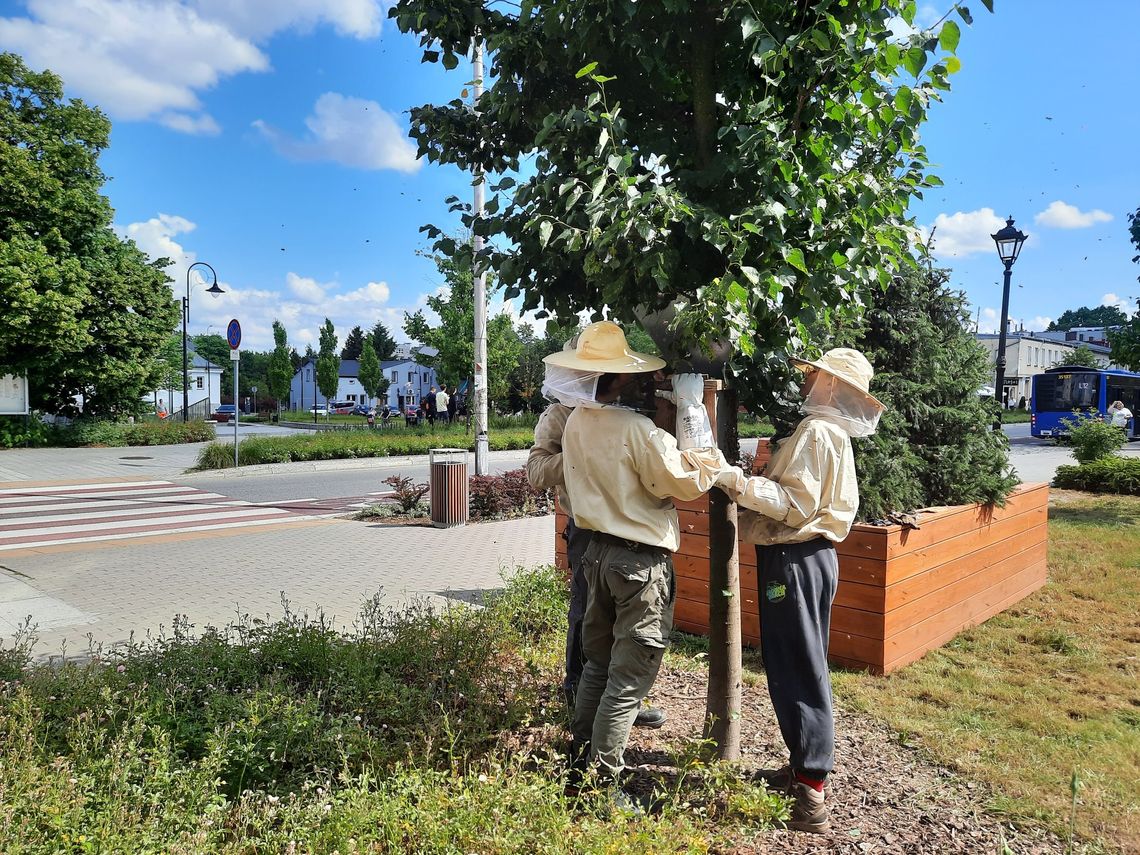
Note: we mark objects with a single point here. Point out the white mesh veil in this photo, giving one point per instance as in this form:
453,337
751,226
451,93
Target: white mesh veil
571,387
838,402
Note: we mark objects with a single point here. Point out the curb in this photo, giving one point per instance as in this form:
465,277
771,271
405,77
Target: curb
340,464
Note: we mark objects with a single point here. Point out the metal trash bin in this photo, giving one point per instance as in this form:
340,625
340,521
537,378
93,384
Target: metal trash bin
447,480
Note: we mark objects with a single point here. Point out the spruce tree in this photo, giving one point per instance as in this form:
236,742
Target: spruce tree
353,344
935,444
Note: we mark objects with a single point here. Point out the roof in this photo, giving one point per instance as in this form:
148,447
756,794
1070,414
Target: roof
351,367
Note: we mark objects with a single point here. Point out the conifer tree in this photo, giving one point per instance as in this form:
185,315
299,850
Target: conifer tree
935,444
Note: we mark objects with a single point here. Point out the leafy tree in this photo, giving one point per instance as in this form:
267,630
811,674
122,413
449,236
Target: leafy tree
935,444
280,374
382,342
1086,316
84,312
743,167
370,374
1082,355
454,337
328,364
353,344
168,370
1125,341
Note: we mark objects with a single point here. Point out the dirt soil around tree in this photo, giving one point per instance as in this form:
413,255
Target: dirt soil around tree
884,796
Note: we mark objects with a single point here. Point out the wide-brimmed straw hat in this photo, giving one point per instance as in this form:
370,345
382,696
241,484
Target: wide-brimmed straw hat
848,366
602,348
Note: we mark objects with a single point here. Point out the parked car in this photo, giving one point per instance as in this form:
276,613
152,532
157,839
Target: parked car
360,410
412,415
342,408
319,410
224,412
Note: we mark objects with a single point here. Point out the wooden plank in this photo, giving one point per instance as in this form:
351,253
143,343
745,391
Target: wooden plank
924,635
960,519
939,640
856,595
918,561
848,648
865,541
918,585
857,622
865,571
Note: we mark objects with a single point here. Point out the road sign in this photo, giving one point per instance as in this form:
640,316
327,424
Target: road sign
233,334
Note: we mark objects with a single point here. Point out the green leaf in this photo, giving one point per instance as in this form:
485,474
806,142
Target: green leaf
964,14
545,229
820,39
749,27
585,69
430,56
953,65
915,60
949,36
450,61
795,257
751,274
603,138
989,4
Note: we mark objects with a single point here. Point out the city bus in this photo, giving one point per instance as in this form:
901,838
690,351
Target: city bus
1060,392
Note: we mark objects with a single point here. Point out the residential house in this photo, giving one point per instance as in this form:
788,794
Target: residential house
204,393
408,382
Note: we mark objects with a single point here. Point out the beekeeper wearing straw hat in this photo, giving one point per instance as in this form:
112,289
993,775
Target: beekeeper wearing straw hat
621,473
806,503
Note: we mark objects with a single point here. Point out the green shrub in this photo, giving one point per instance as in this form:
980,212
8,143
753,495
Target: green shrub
1119,475
18,432
506,496
533,602
337,445
1092,438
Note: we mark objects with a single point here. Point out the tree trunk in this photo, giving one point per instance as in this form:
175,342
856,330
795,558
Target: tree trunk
722,717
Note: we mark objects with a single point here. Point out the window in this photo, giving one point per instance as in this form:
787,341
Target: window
200,383
308,373
1063,393
411,376
395,376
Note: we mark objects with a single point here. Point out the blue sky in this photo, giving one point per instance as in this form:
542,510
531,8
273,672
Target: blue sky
268,138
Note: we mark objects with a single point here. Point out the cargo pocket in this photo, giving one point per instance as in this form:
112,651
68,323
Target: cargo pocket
655,622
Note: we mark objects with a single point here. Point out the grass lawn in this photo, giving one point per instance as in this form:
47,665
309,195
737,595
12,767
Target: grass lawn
1046,690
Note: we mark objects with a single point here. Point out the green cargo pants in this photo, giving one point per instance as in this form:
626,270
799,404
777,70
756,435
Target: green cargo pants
629,615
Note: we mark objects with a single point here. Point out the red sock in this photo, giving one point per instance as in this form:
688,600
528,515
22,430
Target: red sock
815,784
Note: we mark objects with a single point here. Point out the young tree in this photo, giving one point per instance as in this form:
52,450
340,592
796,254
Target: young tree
454,336
84,312
1082,355
1125,342
280,375
328,363
382,342
743,168
370,375
353,344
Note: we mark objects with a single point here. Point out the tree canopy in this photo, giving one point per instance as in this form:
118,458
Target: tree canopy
1082,354
1125,341
279,377
382,342
328,363
746,166
454,336
353,344
85,313
1088,316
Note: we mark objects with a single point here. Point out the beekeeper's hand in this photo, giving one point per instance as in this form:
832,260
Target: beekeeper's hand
732,480
693,427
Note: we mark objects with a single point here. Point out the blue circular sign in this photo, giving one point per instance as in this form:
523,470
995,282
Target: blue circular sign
233,334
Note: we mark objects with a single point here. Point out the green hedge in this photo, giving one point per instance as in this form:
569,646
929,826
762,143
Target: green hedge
347,445
1120,475
82,433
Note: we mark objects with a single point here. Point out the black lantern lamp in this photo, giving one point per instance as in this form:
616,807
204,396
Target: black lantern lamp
1009,242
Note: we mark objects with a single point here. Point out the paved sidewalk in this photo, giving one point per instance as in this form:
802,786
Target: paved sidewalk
334,565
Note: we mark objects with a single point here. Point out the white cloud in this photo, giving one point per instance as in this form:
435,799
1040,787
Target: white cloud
1124,304
1061,215
305,289
349,131
988,322
151,59
965,233
301,304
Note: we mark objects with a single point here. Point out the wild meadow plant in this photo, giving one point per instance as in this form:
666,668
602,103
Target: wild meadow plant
421,728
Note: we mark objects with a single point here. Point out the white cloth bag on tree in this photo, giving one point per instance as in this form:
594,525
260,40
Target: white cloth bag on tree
693,427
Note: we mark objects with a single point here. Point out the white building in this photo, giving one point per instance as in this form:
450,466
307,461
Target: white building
408,382
1030,353
203,396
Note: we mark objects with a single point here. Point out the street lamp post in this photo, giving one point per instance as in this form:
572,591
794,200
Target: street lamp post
1009,242
215,291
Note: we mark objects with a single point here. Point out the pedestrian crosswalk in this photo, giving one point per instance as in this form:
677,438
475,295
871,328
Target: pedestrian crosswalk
58,514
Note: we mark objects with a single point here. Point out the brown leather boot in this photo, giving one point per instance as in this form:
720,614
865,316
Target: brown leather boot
809,812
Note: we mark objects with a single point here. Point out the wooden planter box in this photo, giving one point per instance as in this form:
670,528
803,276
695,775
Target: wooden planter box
902,591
